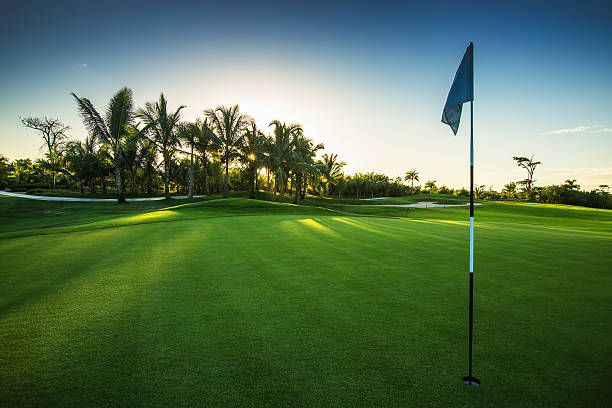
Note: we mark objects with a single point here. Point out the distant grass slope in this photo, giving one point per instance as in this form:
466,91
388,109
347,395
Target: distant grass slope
30,217
251,303
23,217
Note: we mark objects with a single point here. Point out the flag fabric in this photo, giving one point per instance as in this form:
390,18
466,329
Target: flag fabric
461,91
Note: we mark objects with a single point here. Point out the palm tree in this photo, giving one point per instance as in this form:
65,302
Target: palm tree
303,163
106,165
189,133
341,184
413,176
75,155
134,151
279,149
571,185
251,151
229,126
509,190
199,137
216,171
359,181
112,129
430,185
205,144
332,169
510,187
161,126
83,161
148,169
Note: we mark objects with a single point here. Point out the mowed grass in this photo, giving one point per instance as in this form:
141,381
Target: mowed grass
249,303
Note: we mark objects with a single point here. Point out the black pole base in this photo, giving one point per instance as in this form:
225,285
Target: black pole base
471,381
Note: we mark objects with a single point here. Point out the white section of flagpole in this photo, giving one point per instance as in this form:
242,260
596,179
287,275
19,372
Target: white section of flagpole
471,244
471,186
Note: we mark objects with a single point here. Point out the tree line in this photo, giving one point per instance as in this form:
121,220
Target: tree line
139,149
131,150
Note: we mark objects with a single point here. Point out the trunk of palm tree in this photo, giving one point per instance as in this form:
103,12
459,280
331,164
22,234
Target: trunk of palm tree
304,191
120,197
226,180
256,179
297,188
206,183
190,195
252,194
132,181
274,189
167,178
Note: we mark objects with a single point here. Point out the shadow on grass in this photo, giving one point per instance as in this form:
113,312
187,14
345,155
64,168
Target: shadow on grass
51,281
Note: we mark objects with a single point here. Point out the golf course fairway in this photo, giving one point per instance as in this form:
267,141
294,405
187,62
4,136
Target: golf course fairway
250,303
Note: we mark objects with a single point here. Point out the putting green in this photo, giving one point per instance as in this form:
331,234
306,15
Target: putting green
243,303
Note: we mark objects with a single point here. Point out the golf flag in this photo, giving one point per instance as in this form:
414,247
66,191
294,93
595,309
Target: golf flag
461,91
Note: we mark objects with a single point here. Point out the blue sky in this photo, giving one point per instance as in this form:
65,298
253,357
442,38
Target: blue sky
369,80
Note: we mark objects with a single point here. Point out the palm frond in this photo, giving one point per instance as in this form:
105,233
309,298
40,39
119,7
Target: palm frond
119,115
92,120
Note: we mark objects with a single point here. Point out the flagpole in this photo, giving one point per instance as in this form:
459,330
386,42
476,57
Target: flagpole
462,90
470,379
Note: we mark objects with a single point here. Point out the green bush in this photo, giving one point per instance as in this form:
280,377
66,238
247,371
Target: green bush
26,186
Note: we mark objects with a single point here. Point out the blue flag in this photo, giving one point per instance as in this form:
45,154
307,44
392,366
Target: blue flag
461,91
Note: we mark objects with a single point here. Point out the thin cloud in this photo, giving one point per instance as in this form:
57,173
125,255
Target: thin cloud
83,65
604,130
577,129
